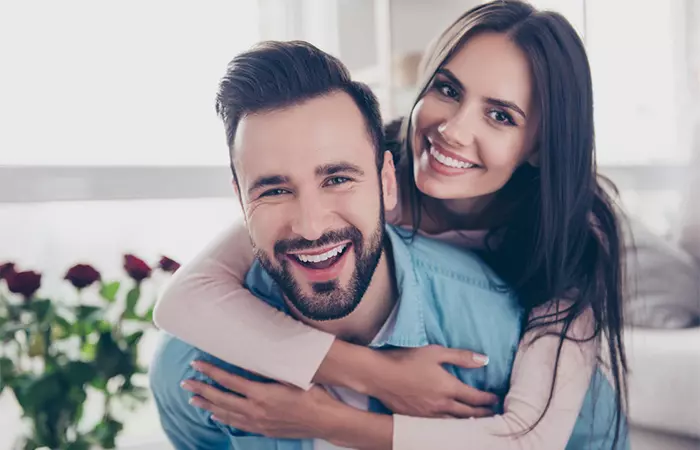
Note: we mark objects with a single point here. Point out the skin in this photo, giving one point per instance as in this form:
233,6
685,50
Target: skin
479,108
306,171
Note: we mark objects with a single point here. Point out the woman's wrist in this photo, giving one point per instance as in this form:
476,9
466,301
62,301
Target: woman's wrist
348,427
351,366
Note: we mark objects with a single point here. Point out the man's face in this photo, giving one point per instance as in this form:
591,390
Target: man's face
313,201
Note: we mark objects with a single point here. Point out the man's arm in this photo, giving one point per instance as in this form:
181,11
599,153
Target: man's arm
187,427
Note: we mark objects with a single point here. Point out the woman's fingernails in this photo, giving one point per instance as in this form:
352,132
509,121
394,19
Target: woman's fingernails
480,359
187,385
196,365
195,401
213,417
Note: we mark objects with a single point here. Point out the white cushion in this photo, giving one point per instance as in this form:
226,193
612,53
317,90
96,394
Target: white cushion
664,381
664,282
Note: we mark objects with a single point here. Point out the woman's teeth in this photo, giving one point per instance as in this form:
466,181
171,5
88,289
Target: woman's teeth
323,256
449,162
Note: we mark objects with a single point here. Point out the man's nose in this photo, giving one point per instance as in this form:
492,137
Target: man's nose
312,217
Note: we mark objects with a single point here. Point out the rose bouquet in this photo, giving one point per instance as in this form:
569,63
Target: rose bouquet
54,353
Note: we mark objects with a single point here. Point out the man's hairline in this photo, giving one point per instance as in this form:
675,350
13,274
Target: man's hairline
289,105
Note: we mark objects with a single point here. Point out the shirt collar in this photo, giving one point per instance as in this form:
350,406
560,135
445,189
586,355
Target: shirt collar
408,328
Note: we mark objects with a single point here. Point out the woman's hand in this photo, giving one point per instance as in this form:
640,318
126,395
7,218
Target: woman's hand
409,381
285,412
417,384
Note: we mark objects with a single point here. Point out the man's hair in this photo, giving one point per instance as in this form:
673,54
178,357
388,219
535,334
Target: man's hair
275,75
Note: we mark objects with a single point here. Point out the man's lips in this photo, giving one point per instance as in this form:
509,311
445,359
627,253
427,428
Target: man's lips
325,270
318,250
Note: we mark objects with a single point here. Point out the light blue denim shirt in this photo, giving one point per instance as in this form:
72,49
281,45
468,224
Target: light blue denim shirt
447,296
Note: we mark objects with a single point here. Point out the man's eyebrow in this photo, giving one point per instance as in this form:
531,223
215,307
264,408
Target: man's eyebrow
490,100
266,181
341,167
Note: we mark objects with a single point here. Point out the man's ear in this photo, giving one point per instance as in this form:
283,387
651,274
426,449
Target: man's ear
389,183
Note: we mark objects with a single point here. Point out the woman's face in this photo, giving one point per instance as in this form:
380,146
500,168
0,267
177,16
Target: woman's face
475,124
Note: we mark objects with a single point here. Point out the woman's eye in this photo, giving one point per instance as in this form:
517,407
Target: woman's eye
446,90
501,117
274,193
336,180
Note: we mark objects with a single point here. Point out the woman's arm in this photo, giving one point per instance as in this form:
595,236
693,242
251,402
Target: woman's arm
526,399
207,306
266,409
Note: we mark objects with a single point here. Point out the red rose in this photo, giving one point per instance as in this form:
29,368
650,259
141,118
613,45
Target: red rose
82,275
6,270
24,283
136,268
168,265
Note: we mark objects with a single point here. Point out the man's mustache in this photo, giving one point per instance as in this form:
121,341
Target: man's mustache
294,245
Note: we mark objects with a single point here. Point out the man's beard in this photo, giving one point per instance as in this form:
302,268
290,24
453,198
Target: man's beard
330,300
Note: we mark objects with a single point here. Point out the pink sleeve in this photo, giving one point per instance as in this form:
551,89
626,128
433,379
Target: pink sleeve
526,399
207,306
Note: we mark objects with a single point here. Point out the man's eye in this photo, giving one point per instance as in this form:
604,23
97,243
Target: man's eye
336,180
274,193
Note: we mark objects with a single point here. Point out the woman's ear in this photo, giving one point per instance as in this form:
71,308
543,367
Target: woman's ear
389,184
534,159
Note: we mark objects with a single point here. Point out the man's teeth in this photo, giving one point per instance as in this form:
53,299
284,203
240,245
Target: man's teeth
449,162
322,257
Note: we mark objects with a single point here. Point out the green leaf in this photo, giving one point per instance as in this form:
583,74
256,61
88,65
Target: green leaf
148,317
88,351
106,432
42,308
7,372
86,313
99,383
61,329
87,319
108,357
133,339
132,298
79,372
108,291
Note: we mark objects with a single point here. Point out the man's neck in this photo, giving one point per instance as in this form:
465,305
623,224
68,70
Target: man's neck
363,324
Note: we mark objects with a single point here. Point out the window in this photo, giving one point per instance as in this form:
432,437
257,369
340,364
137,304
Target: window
117,83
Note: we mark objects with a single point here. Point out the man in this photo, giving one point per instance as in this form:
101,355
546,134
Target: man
313,181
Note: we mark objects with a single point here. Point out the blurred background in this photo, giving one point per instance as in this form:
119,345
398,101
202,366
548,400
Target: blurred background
109,144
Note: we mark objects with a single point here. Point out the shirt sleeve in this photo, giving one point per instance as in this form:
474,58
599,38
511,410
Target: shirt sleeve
207,306
529,391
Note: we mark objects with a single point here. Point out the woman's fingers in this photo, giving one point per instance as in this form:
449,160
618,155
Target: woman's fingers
227,400
226,379
462,411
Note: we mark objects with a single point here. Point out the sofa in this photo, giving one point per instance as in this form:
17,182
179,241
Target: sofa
663,343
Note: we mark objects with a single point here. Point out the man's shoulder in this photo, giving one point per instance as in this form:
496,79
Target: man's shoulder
171,365
435,258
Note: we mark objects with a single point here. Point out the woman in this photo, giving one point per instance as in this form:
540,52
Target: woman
499,139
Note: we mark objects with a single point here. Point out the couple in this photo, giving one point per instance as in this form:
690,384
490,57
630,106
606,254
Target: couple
501,243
